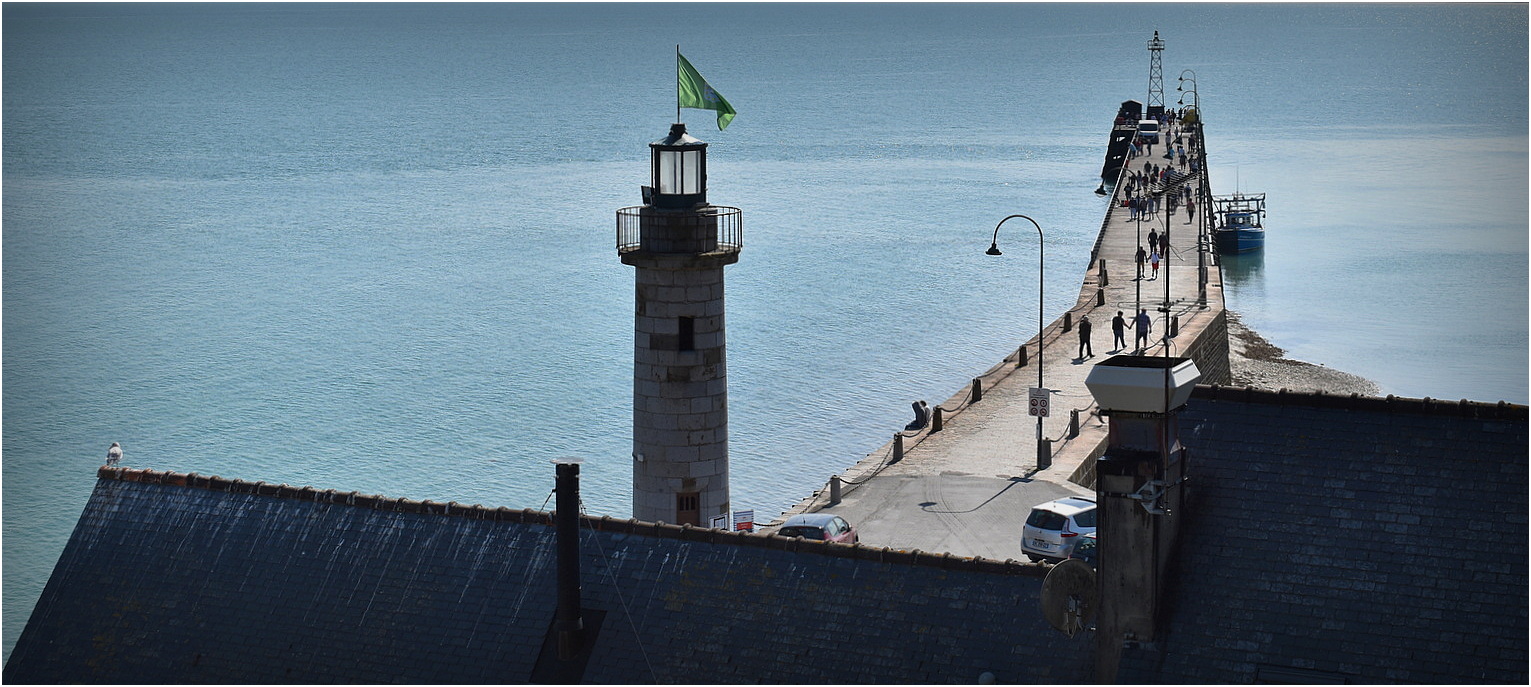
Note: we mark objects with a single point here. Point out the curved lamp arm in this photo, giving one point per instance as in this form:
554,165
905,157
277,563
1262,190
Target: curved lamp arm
1041,285
994,245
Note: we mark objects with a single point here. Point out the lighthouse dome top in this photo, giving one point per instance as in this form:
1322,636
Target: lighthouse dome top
677,138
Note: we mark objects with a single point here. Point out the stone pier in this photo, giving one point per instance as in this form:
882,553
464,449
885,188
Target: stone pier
986,451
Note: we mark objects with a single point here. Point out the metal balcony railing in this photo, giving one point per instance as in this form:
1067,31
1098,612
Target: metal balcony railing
729,222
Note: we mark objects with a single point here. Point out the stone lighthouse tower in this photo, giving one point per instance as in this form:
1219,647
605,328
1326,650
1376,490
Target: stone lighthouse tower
679,245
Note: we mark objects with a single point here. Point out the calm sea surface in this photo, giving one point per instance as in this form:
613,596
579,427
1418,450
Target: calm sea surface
372,247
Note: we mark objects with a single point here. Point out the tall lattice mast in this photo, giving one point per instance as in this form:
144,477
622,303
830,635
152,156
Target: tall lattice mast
1155,76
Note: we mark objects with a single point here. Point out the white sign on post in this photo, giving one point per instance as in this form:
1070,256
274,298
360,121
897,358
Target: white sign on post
1037,400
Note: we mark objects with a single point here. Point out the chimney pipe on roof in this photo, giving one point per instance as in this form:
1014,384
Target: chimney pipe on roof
1139,495
568,622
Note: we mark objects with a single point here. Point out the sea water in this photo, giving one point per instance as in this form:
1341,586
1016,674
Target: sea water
372,247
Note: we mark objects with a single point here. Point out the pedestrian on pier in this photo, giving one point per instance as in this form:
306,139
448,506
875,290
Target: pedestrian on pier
1084,338
1142,258
1118,331
1141,325
1153,259
1153,238
1190,210
1164,242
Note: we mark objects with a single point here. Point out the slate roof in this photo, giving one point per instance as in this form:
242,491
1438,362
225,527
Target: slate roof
172,578
1346,539
1366,540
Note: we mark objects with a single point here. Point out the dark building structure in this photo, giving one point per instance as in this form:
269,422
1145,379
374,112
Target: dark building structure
1323,539
173,578
1343,539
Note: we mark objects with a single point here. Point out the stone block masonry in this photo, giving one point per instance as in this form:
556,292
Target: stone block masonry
680,394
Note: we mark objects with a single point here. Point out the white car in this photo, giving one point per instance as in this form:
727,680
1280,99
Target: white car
1054,527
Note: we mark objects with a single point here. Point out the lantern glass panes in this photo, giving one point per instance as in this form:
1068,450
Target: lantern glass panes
680,172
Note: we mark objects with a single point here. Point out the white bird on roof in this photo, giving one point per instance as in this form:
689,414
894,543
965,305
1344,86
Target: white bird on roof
113,455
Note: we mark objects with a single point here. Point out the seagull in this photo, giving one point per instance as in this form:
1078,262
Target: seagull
113,455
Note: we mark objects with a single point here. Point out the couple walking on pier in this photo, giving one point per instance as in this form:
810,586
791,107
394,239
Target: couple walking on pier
1142,324
1150,257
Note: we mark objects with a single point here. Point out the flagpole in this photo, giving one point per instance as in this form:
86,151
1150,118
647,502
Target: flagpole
677,83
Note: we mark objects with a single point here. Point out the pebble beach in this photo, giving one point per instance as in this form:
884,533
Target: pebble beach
1258,363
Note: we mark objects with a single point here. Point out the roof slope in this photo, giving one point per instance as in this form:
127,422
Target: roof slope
1378,541
176,578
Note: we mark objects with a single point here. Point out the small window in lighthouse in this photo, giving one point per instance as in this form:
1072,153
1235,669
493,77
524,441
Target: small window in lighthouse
688,508
686,341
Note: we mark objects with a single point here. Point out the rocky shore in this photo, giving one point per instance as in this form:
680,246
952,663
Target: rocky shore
1258,363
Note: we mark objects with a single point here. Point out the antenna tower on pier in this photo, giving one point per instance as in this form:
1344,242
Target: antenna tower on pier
1155,77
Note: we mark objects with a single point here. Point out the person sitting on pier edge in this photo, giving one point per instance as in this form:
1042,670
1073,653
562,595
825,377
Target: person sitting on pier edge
921,416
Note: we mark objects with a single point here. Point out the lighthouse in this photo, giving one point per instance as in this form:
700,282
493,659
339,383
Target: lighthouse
679,245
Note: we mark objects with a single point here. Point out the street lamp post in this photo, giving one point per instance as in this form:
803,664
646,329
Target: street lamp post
1203,239
1044,451
1181,87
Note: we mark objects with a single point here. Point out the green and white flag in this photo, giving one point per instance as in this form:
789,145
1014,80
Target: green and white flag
693,91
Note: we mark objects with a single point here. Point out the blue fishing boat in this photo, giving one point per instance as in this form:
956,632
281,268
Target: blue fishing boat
1239,222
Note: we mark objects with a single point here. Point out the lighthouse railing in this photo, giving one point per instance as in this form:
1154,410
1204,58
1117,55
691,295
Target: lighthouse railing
729,223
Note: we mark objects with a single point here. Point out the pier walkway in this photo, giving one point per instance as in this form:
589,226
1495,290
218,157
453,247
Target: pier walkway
968,488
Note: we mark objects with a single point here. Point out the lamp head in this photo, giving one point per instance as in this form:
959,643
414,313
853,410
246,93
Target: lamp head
993,249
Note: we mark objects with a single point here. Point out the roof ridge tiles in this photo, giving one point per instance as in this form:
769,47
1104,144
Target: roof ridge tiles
604,523
1485,410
